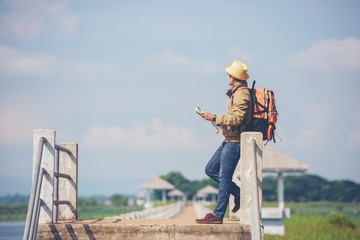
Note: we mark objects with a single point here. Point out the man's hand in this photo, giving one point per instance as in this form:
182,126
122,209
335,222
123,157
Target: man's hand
207,116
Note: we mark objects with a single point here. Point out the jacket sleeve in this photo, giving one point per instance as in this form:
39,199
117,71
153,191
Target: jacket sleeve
239,106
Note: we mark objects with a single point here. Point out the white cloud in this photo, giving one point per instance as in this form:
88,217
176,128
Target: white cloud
16,63
67,21
316,125
21,4
17,121
28,19
171,62
239,54
154,135
354,137
25,25
329,55
89,71
309,137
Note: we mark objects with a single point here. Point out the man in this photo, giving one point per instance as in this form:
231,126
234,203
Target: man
222,164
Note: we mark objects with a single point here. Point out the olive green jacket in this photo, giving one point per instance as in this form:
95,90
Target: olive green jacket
239,111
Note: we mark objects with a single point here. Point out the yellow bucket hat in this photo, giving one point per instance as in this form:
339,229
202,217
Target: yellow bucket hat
237,70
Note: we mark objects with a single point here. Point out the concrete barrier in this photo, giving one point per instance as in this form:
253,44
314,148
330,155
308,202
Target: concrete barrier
201,210
162,212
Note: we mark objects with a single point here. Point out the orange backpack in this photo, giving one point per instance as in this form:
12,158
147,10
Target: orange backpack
264,113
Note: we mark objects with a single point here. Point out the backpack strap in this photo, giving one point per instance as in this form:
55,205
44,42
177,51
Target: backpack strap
253,85
253,100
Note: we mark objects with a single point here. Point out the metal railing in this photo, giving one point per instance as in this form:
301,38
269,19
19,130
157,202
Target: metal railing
33,208
58,175
255,205
35,202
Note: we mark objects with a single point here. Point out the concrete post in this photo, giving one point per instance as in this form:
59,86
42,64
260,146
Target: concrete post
48,158
164,196
148,197
245,166
236,179
148,202
68,188
280,189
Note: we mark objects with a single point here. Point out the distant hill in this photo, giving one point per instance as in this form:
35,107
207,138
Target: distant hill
299,188
312,188
17,198
104,198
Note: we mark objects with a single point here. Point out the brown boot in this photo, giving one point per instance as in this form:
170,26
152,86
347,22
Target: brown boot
209,219
237,204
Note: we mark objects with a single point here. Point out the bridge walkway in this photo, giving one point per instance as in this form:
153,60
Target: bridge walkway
181,226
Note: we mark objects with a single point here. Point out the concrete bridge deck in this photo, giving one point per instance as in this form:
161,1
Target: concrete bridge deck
182,226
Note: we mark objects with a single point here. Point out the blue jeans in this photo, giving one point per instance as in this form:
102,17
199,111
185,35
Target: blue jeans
221,168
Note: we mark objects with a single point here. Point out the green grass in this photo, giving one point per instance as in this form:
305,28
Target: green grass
311,221
318,221
316,228
160,203
350,210
13,212
17,212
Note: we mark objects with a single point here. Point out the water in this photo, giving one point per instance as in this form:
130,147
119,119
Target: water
11,230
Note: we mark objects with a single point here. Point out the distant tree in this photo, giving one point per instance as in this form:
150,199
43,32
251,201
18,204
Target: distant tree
17,198
294,189
325,192
313,185
92,202
87,202
306,187
198,184
178,180
185,185
357,193
344,191
269,189
118,200
303,188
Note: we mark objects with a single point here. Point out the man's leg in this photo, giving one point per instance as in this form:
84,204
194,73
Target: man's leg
229,159
212,169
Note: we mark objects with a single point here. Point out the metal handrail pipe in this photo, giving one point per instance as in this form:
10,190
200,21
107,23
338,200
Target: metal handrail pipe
255,206
36,207
56,187
58,147
62,175
37,215
33,188
62,202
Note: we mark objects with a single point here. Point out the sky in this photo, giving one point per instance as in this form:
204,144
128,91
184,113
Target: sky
122,79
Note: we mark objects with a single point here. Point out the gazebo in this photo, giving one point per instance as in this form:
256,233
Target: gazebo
198,195
208,190
156,183
277,162
176,193
140,198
